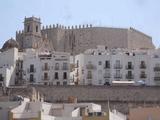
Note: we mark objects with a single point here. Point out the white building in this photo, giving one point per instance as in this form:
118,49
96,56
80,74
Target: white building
102,66
41,65
45,66
66,111
8,60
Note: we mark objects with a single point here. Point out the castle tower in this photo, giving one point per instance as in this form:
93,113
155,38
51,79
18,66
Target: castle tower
32,32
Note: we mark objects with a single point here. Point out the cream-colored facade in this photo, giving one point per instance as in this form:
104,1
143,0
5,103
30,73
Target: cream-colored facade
102,66
76,39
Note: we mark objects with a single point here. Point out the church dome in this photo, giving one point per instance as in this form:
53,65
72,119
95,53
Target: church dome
11,43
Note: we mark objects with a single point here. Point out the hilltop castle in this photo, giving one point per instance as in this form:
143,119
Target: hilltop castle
76,39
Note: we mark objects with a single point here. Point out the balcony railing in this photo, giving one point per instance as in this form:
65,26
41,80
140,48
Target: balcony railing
89,77
65,68
107,66
107,76
32,80
129,76
143,66
157,78
91,66
143,76
44,68
156,68
117,66
31,70
118,76
129,67
45,78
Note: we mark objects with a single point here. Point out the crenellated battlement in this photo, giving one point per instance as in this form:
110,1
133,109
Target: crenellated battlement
19,32
59,26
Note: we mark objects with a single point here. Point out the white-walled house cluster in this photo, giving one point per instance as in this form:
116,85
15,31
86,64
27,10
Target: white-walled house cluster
103,66
7,66
99,66
34,66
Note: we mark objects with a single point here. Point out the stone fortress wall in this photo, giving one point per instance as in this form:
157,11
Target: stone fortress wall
119,97
77,39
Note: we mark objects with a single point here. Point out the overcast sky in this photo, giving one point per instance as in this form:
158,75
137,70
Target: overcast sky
143,15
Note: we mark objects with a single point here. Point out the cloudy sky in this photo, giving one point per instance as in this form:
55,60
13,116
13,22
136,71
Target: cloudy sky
143,15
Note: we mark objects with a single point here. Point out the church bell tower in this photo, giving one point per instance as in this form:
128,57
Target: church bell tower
32,32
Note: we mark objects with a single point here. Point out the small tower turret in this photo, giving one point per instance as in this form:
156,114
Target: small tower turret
32,32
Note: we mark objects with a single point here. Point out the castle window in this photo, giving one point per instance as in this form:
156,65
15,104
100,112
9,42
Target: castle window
37,28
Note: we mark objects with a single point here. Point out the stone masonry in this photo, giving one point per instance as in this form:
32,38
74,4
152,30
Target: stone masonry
119,97
76,39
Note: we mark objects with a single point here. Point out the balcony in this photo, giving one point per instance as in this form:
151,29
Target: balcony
118,76
131,76
143,66
107,66
89,77
90,66
157,68
65,68
31,70
143,76
44,68
106,75
45,78
32,80
157,78
129,67
118,66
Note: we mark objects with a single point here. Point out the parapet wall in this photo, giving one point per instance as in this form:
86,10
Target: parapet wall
119,97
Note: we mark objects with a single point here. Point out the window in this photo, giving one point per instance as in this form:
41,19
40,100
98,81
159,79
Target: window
58,83
31,68
100,63
31,79
37,28
117,72
65,75
65,66
129,73
45,76
46,66
57,66
89,75
117,62
100,82
56,75
129,65
65,83
1,77
107,64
